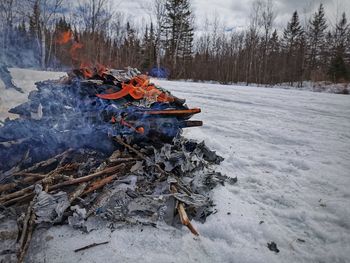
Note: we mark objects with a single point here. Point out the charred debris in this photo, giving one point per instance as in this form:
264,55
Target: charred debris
101,146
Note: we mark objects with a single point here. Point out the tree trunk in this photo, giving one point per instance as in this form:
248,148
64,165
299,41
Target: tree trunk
43,48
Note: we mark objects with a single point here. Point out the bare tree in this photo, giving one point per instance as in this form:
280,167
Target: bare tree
267,18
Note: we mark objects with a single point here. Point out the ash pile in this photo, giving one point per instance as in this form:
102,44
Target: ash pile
101,146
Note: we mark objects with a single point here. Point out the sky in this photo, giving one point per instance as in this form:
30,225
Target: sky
234,14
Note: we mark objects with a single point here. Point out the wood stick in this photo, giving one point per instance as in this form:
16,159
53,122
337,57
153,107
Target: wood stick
16,194
185,220
28,175
29,178
90,246
182,213
87,178
100,183
20,195
25,224
123,160
24,249
18,199
43,163
7,187
23,191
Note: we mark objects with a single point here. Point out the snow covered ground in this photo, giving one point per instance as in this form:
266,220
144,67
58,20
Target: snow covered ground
291,153
24,78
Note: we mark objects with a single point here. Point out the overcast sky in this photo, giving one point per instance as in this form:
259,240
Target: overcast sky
234,14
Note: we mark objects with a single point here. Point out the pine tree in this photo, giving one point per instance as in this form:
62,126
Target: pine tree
178,35
294,46
316,37
341,35
148,48
131,54
293,33
34,21
338,69
273,51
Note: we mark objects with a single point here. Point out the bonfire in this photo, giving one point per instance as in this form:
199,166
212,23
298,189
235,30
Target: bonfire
102,145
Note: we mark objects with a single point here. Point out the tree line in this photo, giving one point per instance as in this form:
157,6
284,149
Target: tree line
315,50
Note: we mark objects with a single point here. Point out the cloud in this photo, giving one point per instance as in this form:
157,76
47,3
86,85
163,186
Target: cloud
235,13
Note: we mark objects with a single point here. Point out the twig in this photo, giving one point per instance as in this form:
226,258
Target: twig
21,195
47,179
43,163
29,238
123,160
29,177
25,224
16,194
24,248
183,215
90,246
185,220
100,183
18,199
6,187
87,178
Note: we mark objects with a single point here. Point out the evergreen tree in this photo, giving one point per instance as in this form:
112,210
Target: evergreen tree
338,69
293,34
294,46
341,35
34,21
148,49
130,49
316,37
178,34
273,52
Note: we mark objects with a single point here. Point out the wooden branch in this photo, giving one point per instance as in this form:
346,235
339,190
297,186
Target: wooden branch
22,198
7,187
185,220
43,163
87,178
29,175
100,183
23,250
182,213
25,224
29,178
123,160
90,246
16,194
21,195
49,177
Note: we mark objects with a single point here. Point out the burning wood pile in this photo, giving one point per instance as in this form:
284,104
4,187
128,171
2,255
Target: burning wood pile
101,146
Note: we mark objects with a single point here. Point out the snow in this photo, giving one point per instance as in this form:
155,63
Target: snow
290,151
25,79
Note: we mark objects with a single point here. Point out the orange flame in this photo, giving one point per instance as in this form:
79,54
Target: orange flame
64,37
74,49
101,69
86,68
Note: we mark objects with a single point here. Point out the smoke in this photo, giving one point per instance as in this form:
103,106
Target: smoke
18,49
